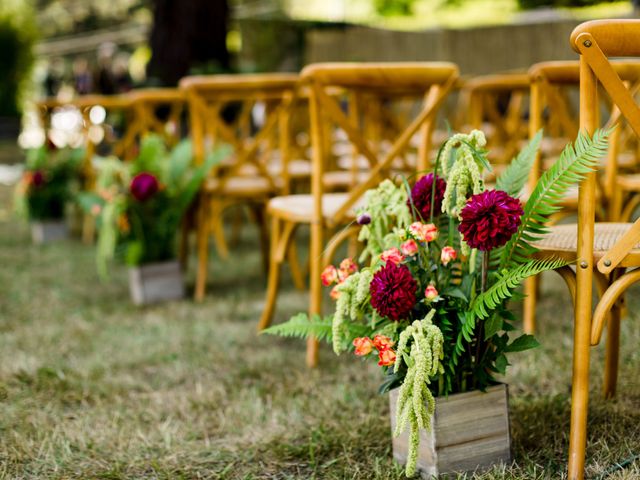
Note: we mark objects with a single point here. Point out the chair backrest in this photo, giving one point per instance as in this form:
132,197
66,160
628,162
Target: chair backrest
222,108
551,108
433,81
156,110
596,41
496,104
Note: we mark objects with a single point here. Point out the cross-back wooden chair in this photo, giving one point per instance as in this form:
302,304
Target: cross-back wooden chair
497,104
155,110
607,253
330,212
221,109
551,108
105,121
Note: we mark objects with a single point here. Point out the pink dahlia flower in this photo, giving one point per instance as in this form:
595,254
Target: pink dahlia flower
144,186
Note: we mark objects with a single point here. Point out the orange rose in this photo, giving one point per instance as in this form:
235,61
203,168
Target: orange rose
409,248
448,254
383,343
347,265
363,345
386,357
392,255
425,232
329,275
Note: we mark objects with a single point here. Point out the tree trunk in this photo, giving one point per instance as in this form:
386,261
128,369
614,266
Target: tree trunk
187,34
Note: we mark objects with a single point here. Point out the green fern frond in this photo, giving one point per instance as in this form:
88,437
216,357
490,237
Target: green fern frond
301,326
503,288
574,163
517,173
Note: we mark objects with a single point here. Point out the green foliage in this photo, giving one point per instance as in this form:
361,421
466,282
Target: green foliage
574,163
144,231
387,206
516,175
301,326
388,8
486,303
530,4
17,37
50,181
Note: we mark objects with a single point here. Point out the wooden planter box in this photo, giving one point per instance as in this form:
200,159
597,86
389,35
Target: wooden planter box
156,282
470,432
48,231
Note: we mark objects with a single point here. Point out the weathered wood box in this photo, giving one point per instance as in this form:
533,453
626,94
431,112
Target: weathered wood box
470,432
48,231
156,282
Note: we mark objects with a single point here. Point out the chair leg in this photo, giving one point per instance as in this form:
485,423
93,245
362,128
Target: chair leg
612,353
294,266
202,233
531,285
183,248
217,228
259,214
315,291
273,281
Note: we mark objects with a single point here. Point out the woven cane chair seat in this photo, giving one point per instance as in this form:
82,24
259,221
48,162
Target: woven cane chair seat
241,186
562,242
630,182
299,208
297,168
342,179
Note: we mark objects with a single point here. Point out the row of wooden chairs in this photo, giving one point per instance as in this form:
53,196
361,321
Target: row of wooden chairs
340,97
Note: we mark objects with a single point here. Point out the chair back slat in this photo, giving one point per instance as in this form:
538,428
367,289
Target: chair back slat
429,82
596,41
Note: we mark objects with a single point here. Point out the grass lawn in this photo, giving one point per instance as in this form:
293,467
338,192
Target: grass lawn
92,387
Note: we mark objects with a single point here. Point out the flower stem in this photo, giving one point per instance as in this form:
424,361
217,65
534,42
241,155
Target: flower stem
485,270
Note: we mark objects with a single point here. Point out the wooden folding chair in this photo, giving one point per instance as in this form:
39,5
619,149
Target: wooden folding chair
608,253
155,110
222,110
496,104
326,212
551,108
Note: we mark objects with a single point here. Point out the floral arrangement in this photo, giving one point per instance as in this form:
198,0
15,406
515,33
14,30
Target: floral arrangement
139,205
440,261
49,181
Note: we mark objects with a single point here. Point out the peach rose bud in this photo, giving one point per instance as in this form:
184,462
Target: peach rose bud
335,293
382,343
448,254
392,255
430,293
386,357
430,232
348,266
363,345
95,210
409,248
329,275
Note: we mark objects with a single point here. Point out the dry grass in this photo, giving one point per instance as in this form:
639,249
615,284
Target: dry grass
91,387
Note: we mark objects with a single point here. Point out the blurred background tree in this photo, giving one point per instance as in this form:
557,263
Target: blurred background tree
187,35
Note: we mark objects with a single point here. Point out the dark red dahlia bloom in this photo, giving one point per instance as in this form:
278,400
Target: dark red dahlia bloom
37,179
489,219
144,186
421,196
393,291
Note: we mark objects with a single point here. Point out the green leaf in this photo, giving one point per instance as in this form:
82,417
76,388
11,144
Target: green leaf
302,327
523,342
574,163
501,364
517,173
492,326
485,304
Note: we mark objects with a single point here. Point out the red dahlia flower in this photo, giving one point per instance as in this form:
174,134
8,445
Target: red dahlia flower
37,179
144,186
393,291
421,196
489,219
